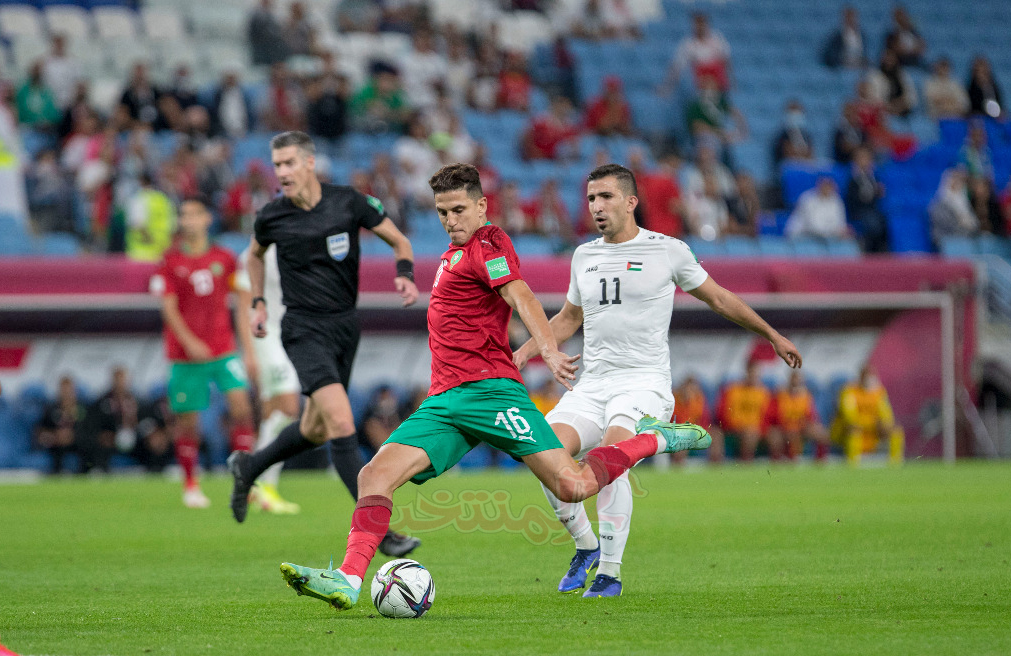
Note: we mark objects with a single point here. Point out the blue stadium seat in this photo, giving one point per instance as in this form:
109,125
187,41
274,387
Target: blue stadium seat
774,246
958,247
740,246
810,248
847,248
233,241
704,249
59,244
533,246
16,243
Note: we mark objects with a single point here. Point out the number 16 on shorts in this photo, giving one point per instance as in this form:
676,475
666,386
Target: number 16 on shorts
514,422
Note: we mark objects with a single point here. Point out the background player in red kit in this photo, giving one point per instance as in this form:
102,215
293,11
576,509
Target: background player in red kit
194,282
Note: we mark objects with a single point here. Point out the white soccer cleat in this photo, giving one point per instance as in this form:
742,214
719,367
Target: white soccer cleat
194,497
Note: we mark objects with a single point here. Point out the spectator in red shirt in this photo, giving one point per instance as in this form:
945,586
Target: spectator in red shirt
609,113
247,195
552,134
514,84
547,214
659,193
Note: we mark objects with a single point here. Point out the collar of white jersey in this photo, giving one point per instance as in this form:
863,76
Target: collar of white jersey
639,236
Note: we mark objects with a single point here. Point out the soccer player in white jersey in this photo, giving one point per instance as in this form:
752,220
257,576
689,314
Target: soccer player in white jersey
621,289
276,381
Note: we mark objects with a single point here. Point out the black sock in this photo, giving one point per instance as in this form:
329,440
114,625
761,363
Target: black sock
347,459
290,442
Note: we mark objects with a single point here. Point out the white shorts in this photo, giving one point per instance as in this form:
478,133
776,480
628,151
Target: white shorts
595,405
277,375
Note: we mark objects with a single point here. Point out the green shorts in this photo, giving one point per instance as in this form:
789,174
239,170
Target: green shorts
189,386
497,411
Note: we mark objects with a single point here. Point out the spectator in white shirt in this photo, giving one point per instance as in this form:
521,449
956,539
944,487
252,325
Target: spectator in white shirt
820,213
848,45
705,53
60,72
891,85
416,160
945,97
420,69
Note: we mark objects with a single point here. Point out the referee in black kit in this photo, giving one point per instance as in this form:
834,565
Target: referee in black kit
315,229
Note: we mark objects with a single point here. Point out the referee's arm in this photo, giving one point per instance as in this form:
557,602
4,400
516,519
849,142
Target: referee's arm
256,271
404,254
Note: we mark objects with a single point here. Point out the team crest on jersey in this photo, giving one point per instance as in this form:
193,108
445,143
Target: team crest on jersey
338,246
457,256
216,268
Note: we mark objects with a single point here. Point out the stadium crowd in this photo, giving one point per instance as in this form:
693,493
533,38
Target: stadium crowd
113,178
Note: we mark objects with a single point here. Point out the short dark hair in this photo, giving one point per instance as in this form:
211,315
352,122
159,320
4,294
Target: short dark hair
294,138
625,178
457,176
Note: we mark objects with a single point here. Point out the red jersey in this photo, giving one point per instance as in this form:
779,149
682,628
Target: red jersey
467,318
201,284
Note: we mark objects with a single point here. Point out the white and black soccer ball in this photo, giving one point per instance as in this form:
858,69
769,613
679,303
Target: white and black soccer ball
403,588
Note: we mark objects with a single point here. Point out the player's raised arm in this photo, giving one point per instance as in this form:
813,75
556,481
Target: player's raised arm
730,306
256,270
402,251
519,297
563,326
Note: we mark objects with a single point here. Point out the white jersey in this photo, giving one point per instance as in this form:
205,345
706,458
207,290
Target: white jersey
271,287
626,291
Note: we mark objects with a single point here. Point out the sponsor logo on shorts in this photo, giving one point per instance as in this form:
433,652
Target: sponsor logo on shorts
338,246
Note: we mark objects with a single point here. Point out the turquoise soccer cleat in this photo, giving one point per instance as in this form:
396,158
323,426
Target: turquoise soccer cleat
328,585
680,437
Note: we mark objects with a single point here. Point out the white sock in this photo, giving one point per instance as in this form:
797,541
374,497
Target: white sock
355,581
614,510
573,518
270,428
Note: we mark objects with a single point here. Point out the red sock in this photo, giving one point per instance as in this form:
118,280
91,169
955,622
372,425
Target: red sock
369,524
242,438
610,462
187,452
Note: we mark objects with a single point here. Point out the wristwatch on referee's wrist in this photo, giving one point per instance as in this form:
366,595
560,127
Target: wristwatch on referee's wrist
258,299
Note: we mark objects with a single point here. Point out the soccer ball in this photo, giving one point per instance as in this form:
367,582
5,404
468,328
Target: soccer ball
403,588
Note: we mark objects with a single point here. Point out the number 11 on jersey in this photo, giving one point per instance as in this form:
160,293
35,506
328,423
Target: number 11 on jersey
617,291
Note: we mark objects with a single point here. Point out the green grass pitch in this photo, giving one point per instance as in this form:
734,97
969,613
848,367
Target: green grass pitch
756,559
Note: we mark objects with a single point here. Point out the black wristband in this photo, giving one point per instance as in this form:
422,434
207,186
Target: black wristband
405,269
258,299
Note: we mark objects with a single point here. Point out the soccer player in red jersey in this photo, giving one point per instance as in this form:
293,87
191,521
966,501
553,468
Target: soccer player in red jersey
194,281
477,394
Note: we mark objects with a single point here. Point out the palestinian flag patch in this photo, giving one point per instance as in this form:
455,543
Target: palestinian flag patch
633,266
497,268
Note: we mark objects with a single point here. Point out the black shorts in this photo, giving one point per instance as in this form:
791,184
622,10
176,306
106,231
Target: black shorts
321,346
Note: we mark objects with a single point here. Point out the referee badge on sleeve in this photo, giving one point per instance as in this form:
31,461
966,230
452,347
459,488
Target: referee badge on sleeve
338,246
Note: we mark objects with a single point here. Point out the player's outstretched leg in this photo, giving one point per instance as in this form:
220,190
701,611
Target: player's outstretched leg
329,585
573,518
679,437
